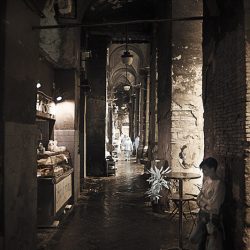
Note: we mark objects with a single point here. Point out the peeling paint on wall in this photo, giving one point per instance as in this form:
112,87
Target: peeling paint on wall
50,40
187,139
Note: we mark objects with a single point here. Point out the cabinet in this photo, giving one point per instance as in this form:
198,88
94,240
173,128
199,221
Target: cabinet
53,194
54,188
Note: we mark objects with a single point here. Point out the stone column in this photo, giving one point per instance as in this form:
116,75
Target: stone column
246,235
96,106
110,126
187,107
131,116
137,112
18,134
2,59
164,81
147,109
151,141
142,113
133,96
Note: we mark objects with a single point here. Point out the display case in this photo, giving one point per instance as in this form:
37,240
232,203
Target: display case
54,186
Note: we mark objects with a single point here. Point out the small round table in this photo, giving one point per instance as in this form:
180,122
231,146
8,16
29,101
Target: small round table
180,176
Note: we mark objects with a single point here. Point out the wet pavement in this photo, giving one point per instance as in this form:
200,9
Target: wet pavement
113,213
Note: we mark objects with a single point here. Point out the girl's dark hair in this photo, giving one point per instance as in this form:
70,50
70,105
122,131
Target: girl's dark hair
210,162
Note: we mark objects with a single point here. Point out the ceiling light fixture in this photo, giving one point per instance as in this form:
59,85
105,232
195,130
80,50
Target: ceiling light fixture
59,98
126,87
127,58
38,85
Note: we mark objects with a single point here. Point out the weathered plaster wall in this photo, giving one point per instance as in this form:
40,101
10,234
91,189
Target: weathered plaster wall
247,152
20,75
66,125
22,68
164,81
224,82
187,107
65,110
45,75
64,128
20,199
58,45
96,106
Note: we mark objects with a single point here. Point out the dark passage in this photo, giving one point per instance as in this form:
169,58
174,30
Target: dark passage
112,213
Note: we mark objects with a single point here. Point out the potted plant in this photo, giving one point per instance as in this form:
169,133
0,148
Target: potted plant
159,188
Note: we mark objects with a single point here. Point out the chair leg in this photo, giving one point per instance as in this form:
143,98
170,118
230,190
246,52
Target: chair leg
173,213
190,211
194,223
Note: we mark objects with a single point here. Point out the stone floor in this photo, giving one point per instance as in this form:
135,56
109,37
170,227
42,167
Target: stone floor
113,213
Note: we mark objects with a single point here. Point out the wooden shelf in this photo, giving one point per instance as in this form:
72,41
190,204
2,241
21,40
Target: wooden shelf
45,115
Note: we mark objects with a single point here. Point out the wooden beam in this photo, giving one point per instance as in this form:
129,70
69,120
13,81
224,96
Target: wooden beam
85,25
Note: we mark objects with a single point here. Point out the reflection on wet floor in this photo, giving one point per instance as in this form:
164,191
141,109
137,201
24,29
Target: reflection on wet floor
112,213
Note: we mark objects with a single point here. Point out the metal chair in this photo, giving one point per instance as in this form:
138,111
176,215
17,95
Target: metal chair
186,199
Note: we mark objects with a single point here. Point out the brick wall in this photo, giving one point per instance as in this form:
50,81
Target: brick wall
224,95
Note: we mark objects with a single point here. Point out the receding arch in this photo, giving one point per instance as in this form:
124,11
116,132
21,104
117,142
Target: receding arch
135,49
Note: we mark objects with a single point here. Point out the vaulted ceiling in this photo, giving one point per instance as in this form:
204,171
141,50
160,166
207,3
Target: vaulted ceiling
116,11
110,14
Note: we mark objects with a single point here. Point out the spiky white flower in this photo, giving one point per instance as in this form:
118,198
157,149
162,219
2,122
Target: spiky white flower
157,182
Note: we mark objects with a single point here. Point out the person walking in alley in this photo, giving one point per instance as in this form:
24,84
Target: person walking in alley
136,144
122,139
208,231
128,147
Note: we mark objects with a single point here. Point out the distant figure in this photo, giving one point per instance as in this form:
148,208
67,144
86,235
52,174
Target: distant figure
119,146
123,139
208,230
128,147
136,144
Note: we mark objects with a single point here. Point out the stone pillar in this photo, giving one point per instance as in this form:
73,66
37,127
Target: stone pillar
110,126
246,236
142,113
187,107
164,81
137,112
2,59
82,131
19,57
151,141
147,109
133,96
96,106
131,116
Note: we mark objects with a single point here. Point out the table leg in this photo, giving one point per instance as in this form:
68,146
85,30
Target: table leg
180,212
180,207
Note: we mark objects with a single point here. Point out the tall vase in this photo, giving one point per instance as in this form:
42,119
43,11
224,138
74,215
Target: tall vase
157,207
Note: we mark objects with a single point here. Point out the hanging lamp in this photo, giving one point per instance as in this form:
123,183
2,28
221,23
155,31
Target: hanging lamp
127,58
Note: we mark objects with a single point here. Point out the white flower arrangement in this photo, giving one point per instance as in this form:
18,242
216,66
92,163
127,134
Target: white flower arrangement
157,182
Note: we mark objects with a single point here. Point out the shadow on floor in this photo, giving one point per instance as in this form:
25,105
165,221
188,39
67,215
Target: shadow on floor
112,213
